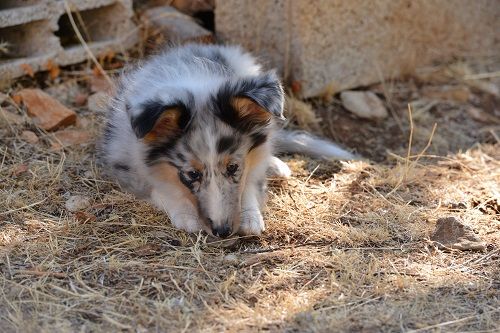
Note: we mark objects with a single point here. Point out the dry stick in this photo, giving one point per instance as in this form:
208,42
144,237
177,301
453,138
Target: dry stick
84,44
22,208
41,273
480,76
446,323
388,96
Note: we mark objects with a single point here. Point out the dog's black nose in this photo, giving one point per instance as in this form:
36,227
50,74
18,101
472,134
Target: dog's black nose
221,231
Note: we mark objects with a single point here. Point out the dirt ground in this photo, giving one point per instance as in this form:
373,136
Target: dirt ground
347,247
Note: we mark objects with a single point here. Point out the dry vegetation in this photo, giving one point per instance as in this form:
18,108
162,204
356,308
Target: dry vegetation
346,247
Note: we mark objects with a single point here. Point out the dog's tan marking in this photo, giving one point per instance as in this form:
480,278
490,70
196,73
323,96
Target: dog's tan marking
169,174
226,160
249,110
197,165
166,126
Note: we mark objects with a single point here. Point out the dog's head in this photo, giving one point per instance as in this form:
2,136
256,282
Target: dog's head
207,146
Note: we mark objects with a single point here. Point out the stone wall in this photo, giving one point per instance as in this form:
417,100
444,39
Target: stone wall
323,46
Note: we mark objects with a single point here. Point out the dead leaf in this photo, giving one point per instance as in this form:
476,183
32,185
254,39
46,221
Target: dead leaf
20,169
28,70
54,70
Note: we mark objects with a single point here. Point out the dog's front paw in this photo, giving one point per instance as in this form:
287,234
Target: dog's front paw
187,222
278,168
252,223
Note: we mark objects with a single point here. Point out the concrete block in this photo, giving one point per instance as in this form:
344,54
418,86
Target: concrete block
38,33
324,46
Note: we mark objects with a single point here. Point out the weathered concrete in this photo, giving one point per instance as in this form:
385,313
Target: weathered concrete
38,33
324,46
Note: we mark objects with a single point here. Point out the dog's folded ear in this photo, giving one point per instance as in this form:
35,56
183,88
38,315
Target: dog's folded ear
252,101
159,122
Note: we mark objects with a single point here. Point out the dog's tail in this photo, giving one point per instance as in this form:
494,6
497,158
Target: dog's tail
299,142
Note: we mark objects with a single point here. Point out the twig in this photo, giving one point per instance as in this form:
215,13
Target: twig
59,275
84,44
22,208
278,248
480,76
446,323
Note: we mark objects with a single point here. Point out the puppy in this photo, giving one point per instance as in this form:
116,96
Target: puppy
194,129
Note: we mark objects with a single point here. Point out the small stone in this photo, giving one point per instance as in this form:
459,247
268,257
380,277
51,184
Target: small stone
364,104
230,259
99,83
174,25
29,137
80,99
98,102
70,137
47,112
193,6
76,203
451,233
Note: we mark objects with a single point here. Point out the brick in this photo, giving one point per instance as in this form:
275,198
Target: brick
47,112
326,46
30,29
70,137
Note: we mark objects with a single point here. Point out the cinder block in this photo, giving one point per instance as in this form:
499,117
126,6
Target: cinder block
323,46
38,33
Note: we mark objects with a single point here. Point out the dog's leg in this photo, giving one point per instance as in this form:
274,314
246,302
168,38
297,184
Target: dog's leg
252,197
181,211
252,222
278,168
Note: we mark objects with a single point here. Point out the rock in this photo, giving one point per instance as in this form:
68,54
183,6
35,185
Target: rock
70,137
80,99
460,94
175,26
76,203
29,137
98,102
364,104
193,6
451,233
47,112
100,83
230,259
9,118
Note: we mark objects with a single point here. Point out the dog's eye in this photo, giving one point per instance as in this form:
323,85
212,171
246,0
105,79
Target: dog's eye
194,175
232,168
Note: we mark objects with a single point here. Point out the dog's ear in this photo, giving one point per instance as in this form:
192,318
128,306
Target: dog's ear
158,122
265,91
252,101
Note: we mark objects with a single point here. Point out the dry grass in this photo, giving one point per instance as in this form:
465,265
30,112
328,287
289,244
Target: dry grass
346,247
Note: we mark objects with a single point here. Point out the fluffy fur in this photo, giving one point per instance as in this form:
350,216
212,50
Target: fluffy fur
192,131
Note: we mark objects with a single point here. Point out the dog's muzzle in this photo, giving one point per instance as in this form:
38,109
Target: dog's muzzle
222,231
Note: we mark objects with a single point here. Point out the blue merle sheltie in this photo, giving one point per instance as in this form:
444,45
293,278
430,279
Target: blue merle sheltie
194,130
